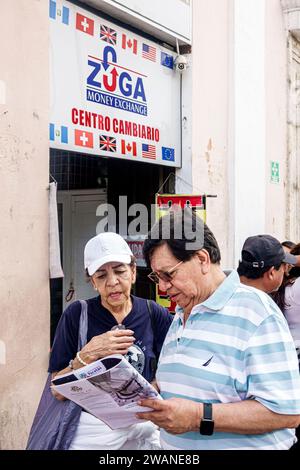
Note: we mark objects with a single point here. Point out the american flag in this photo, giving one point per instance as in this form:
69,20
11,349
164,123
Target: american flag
149,52
107,143
108,34
149,151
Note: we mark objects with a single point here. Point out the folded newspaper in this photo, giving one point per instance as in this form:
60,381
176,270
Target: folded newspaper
109,388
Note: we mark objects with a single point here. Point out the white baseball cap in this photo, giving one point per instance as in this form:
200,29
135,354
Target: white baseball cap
105,248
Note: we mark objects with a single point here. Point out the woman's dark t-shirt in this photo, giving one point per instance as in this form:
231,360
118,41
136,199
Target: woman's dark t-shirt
148,340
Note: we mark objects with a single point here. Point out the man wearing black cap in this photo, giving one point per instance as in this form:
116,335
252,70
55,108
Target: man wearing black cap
263,261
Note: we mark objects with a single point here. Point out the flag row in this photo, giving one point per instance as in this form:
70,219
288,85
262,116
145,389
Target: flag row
111,144
128,43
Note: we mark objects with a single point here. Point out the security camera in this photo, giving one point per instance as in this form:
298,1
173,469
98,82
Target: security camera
180,63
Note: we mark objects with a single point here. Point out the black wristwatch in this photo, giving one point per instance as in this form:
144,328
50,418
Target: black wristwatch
207,422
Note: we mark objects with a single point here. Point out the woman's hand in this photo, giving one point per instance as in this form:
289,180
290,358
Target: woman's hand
111,342
57,395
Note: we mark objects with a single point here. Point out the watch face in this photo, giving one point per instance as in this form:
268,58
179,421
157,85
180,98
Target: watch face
207,427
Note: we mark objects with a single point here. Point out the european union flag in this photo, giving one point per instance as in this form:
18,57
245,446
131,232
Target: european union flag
166,60
168,154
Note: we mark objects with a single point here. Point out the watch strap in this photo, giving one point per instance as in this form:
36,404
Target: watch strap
207,411
207,423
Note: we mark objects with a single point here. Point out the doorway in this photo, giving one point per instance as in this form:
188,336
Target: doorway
79,222
85,182
293,145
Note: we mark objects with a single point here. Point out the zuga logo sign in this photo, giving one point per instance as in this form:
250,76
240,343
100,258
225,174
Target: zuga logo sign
109,85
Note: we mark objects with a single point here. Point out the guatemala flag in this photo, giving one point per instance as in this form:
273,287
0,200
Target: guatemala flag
58,133
55,12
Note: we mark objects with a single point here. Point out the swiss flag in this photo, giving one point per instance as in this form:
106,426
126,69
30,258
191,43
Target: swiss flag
128,148
85,24
128,43
84,139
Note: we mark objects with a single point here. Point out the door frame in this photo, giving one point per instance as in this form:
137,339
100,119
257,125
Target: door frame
67,199
292,191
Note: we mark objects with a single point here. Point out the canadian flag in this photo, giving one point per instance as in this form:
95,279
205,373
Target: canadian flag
85,24
128,148
128,43
84,139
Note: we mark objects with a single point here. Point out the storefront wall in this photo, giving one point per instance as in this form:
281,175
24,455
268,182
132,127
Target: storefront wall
239,119
233,124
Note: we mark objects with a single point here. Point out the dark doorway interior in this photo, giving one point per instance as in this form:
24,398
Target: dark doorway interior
138,181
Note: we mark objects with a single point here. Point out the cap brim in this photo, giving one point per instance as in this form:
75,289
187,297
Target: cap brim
290,259
108,259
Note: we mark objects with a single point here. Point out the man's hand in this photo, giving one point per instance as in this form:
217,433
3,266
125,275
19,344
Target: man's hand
175,415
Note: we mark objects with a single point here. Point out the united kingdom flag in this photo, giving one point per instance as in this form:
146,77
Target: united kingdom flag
107,143
108,34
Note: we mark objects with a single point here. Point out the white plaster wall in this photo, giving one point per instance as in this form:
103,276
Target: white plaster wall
247,90
276,116
24,284
258,117
210,113
239,117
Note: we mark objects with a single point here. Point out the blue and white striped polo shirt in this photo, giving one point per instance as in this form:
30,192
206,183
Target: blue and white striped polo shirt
235,346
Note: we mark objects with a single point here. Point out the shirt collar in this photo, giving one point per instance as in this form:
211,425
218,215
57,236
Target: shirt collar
219,298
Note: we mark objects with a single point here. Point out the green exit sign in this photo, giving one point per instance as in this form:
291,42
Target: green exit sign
274,172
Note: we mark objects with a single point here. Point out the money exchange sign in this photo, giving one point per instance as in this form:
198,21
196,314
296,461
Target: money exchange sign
113,92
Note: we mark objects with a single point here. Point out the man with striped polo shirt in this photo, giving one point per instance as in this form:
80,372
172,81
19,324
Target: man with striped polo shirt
228,371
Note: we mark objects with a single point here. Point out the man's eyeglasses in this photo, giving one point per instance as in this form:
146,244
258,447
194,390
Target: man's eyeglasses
166,276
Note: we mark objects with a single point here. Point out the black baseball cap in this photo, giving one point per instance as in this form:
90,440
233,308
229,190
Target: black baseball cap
264,251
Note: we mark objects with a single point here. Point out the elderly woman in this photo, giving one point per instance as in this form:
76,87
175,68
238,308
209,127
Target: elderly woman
228,369
118,323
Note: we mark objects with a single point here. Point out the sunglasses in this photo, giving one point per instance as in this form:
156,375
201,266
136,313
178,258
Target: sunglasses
166,276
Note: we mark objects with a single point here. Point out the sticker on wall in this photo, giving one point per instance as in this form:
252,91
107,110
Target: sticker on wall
274,172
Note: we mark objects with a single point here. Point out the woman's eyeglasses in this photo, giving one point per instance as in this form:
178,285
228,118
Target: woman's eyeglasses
166,276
